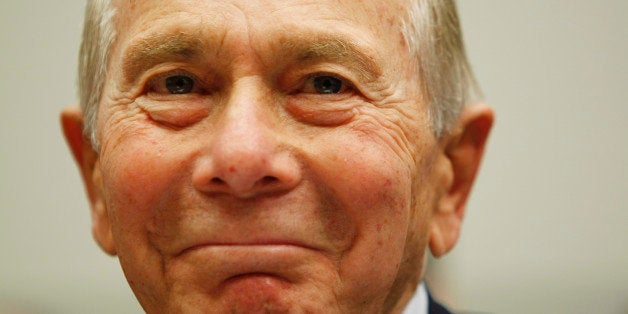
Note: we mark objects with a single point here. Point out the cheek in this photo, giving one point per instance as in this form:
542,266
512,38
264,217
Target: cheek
377,170
134,172
375,187
372,185
138,172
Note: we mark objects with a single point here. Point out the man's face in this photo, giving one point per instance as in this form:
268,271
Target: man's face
264,156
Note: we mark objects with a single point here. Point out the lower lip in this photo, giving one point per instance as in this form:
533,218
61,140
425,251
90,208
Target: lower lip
250,263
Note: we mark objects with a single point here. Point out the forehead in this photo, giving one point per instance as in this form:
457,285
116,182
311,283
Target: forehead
268,8
261,18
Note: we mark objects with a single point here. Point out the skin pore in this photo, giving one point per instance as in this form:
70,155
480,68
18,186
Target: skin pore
252,189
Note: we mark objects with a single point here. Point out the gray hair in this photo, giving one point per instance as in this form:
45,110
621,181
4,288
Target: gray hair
431,29
98,36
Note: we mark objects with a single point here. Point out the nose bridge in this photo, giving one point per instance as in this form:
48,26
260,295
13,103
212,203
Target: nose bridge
244,125
248,127
246,156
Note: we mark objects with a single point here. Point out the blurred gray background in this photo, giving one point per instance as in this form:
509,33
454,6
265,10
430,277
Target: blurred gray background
546,229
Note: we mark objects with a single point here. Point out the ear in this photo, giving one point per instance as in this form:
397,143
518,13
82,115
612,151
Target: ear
87,160
462,151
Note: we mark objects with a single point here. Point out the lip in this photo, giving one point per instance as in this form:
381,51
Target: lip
224,261
248,245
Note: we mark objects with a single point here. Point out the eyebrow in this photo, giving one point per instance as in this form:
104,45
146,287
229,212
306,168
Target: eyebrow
336,48
160,48
148,52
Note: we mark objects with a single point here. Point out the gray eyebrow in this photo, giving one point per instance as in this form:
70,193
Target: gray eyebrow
146,53
337,48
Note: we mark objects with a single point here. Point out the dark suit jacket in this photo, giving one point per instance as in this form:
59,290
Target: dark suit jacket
434,307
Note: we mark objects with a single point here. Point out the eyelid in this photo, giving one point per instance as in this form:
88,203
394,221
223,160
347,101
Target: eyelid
308,81
154,81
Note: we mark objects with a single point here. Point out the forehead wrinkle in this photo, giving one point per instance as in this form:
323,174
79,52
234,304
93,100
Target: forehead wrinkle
147,52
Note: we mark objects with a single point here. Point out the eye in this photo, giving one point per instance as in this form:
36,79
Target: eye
327,84
179,84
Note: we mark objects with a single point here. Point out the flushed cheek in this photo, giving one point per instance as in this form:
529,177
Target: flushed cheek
137,173
372,186
378,191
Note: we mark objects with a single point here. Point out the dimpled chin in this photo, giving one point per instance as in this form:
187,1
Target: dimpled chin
256,293
253,293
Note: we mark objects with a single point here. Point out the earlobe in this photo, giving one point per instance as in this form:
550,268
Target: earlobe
101,224
87,160
462,154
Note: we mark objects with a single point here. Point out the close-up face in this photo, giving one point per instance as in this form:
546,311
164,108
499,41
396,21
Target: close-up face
262,156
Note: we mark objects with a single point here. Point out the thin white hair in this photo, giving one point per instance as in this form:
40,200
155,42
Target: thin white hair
433,34
431,29
98,35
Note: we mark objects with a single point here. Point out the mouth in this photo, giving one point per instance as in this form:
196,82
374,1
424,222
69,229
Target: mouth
256,246
255,266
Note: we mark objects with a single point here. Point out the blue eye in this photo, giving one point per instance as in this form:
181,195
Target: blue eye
179,84
326,84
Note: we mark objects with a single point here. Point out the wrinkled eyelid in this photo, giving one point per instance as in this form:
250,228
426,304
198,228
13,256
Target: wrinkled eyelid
157,83
324,74
309,81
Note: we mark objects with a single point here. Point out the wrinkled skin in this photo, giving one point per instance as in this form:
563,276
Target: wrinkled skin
254,192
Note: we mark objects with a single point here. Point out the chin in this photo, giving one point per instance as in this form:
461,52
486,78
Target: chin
251,293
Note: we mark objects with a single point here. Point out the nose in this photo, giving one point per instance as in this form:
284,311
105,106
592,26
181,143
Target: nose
247,156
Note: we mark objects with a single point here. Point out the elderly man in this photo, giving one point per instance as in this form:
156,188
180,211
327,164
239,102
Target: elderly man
255,156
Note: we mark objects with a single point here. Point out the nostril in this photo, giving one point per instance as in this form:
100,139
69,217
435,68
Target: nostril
269,179
217,180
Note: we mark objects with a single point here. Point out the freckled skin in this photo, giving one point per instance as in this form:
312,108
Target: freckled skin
244,205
